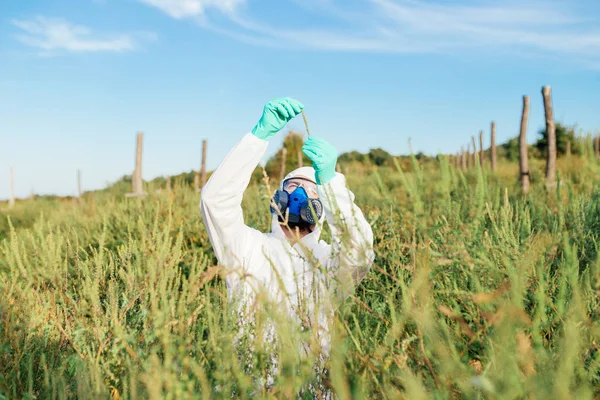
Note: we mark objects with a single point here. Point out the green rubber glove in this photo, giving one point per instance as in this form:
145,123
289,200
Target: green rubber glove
276,114
323,156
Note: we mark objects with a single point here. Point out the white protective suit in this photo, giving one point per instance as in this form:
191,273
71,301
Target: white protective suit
267,262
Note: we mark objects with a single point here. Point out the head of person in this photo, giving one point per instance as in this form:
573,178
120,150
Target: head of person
298,203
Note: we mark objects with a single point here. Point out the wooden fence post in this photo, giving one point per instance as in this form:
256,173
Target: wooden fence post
137,181
79,191
203,167
474,151
169,186
463,159
493,147
138,164
138,188
300,160
200,177
551,132
283,160
470,158
481,148
523,162
569,149
11,200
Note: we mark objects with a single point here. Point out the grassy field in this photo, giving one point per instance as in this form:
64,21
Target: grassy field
476,292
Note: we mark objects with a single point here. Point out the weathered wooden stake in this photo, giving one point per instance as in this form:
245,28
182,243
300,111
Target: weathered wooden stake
138,163
200,178
523,162
138,188
457,160
569,149
463,159
203,167
474,151
469,156
11,200
300,160
551,131
79,191
137,182
481,148
493,147
283,160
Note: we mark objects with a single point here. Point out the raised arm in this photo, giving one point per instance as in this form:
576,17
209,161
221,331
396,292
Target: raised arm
352,236
221,199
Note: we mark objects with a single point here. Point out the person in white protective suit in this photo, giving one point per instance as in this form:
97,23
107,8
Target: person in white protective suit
290,264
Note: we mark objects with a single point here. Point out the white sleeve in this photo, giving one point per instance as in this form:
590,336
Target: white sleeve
221,203
352,236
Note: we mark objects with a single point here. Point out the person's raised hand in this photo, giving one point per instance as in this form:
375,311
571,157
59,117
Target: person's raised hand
276,114
323,156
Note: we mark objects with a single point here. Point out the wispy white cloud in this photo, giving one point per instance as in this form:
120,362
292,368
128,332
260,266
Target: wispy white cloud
536,27
52,34
193,8
411,26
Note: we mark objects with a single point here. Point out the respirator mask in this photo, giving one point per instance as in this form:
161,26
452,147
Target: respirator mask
300,209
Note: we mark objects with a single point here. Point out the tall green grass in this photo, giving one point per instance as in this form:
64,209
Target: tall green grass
476,292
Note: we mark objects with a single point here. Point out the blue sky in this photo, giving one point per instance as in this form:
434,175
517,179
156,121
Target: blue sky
78,82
